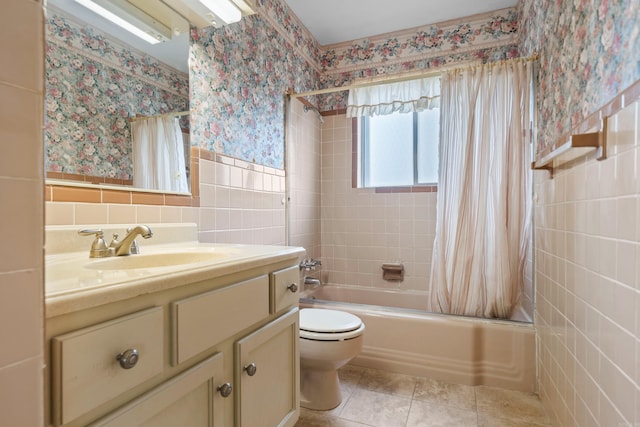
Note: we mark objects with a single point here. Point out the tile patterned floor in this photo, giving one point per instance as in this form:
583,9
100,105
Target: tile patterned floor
378,398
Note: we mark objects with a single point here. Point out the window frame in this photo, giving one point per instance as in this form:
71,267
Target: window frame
356,168
359,133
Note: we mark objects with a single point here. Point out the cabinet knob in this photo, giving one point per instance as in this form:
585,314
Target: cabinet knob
128,358
251,369
225,389
293,287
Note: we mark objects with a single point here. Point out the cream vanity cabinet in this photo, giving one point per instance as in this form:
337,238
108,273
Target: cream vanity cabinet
218,352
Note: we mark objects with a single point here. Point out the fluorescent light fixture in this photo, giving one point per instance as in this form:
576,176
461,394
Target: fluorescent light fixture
224,10
129,18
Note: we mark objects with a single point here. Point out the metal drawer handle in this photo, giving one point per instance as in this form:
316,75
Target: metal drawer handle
225,389
128,358
293,287
251,369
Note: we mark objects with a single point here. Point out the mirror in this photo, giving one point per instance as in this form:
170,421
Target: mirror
98,81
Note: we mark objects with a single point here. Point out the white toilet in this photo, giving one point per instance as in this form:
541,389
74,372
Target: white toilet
329,339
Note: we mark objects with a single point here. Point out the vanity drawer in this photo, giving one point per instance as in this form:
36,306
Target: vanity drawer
202,321
85,365
285,288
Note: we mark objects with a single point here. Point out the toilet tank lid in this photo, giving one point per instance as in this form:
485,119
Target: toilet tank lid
328,321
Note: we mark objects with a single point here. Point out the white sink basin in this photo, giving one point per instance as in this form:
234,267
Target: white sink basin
164,259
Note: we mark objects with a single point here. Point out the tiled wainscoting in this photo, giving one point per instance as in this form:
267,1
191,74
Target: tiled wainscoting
232,201
588,282
362,229
303,178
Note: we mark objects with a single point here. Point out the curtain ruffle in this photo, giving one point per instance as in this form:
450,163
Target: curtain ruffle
403,97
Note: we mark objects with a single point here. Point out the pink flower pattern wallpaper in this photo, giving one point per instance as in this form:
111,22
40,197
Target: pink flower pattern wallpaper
481,32
93,85
589,52
240,73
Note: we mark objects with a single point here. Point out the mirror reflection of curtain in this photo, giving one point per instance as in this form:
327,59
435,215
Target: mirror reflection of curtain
483,211
158,154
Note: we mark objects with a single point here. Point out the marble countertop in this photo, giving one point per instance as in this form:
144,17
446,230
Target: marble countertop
73,281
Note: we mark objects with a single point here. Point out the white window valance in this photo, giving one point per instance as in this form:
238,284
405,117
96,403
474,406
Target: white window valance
404,97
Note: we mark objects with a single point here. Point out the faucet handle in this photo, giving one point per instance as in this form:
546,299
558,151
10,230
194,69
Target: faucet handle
98,232
98,247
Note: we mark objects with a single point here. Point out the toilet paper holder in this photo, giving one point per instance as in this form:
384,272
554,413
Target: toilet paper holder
393,272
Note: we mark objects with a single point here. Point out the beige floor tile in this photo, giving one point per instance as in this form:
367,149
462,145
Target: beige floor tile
377,398
426,414
487,420
310,418
377,409
349,378
508,404
443,393
351,372
388,382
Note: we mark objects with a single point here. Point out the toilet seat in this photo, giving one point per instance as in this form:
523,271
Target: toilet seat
329,325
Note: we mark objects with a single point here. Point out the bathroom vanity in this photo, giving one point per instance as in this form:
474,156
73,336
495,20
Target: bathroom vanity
185,334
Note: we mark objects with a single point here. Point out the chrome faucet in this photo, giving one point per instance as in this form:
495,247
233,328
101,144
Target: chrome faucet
128,244
308,280
310,264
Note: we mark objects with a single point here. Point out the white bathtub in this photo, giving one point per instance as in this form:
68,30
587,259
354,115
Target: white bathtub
449,348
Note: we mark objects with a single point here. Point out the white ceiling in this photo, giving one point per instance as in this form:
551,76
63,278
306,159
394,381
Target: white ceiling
335,21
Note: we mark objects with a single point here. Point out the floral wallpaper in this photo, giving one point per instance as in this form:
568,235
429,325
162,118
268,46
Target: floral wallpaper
589,52
282,19
239,75
338,100
93,84
486,37
479,32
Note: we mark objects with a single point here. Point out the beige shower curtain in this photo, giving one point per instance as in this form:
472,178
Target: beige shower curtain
483,209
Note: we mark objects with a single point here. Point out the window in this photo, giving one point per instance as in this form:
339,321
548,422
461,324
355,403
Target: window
399,149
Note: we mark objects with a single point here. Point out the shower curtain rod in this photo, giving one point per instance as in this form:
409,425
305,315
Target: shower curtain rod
176,114
412,76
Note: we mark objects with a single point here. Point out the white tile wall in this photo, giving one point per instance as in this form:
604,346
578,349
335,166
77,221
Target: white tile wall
21,182
237,207
587,284
362,229
232,209
303,159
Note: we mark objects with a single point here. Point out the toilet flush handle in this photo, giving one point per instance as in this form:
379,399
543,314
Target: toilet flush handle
251,369
293,287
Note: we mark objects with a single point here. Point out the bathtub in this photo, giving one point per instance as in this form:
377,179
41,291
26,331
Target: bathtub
412,341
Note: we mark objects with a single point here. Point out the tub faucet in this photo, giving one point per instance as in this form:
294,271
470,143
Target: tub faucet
128,244
308,280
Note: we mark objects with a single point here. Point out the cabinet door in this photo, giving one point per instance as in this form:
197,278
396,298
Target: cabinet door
285,288
189,399
269,394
